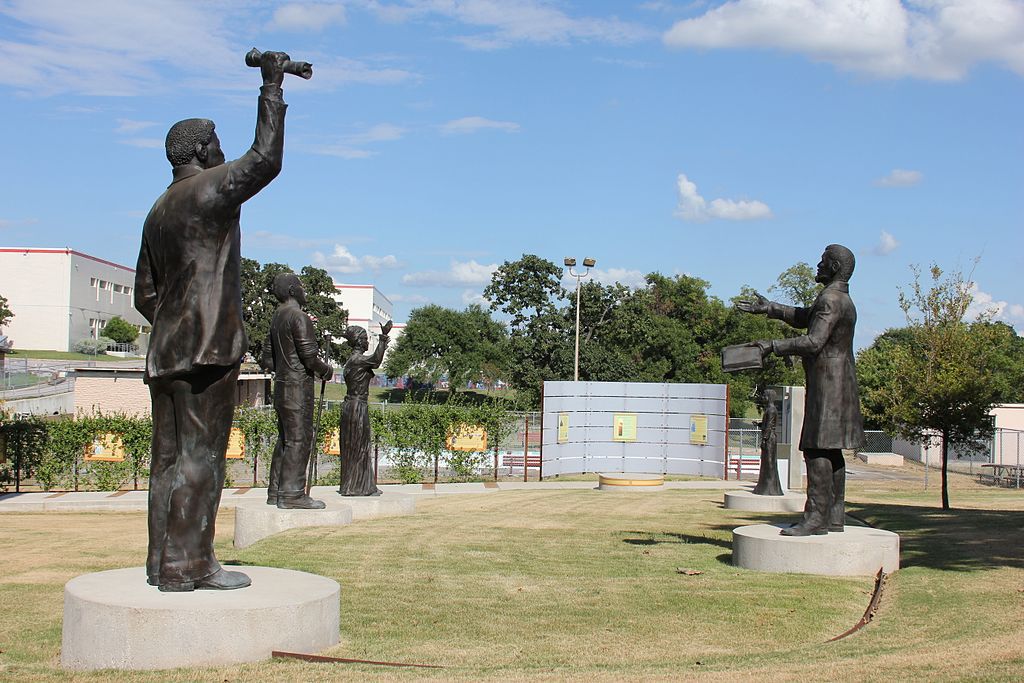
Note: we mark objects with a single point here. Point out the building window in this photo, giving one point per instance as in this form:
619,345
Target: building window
103,284
118,289
93,282
128,291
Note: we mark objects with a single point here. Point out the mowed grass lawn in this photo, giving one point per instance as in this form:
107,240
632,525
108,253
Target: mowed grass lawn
583,585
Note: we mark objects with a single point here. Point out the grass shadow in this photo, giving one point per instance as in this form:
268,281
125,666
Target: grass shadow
657,537
951,540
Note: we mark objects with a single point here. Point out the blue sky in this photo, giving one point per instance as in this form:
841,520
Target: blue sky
439,138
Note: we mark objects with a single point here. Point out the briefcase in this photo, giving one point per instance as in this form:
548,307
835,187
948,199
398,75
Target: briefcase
742,357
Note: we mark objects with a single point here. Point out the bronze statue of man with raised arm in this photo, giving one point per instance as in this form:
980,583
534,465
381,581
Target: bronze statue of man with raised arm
188,286
832,419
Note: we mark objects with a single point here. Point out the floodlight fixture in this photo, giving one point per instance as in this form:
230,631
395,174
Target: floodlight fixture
570,262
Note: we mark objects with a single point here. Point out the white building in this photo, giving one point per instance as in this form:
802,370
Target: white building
368,308
60,296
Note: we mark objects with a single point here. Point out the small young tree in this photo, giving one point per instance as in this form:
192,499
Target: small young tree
120,330
5,312
938,380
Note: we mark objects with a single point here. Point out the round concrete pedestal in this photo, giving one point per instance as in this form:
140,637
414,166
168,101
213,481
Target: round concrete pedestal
255,520
857,551
622,481
114,620
746,500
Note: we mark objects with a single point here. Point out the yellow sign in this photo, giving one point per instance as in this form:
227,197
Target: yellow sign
105,448
699,429
563,427
624,427
236,444
333,445
468,438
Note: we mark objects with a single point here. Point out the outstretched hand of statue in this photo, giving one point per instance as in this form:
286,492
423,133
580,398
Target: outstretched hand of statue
758,305
385,328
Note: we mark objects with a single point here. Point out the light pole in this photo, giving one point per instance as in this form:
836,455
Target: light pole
588,263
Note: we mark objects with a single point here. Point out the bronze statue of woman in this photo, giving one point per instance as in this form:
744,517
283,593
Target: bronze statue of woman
768,478
357,464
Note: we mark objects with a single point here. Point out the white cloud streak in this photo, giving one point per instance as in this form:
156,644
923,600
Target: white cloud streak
299,17
634,279
932,39
900,177
459,274
886,244
693,207
503,23
984,303
474,124
343,261
352,146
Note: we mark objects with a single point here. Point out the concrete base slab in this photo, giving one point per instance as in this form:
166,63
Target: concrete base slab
789,501
626,481
114,620
255,520
857,551
887,459
389,504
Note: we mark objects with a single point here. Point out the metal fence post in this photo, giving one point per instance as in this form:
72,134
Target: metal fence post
526,445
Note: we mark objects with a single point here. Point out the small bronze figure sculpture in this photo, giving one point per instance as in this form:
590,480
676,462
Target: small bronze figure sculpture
291,353
832,419
768,476
357,465
188,286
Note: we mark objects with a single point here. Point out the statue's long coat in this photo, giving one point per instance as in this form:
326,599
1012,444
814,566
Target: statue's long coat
832,416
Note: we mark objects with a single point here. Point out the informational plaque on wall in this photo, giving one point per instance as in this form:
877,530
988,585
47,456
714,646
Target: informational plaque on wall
236,444
699,429
624,427
563,427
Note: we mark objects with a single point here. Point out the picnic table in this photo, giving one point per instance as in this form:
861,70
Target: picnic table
1003,475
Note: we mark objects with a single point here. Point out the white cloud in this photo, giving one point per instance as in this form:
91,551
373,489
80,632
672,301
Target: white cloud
408,298
935,39
307,16
110,48
350,146
633,279
145,143
693,207
472,296
984,303
473,124
343,261
11,223
886,244
503,23
267,238
460,274
126,126
900,177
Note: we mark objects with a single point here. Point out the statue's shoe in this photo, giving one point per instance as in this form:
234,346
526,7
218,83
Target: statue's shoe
836,528
300,503
222,580
804,530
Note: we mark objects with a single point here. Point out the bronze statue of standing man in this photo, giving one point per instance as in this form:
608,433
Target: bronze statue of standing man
832,419
188,286
291,353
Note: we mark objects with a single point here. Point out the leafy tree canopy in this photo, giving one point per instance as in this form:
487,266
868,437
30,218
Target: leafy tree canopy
120,330
5,312
796,285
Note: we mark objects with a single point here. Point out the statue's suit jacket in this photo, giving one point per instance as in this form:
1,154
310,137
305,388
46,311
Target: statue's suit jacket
832,416
187,281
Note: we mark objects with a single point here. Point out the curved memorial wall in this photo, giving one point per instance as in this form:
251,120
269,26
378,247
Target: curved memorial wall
634,427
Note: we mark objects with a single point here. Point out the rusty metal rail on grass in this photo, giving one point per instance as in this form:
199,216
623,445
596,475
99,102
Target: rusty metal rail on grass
321,659
869,613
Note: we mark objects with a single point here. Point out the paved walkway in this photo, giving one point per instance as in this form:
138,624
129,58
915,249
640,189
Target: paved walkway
135,501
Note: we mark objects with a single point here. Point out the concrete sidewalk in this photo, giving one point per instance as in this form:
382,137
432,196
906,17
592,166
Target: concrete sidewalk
136,501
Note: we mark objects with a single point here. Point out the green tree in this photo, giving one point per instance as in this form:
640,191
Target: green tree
259,304
529,292
937,379
797,285
5,312
438,342
330,319
120,330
